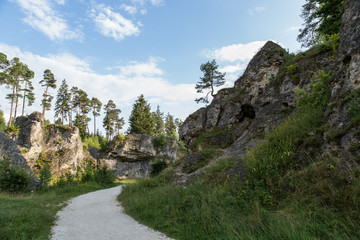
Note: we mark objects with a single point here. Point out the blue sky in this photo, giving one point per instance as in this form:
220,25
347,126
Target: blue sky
119,49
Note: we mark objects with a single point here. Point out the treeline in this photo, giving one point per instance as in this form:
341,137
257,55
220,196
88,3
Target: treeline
17,77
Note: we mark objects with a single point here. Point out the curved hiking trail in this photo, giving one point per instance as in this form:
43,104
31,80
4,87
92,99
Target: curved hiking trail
99,216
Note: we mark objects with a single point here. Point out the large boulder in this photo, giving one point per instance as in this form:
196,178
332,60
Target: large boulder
9,150
58,146
132,155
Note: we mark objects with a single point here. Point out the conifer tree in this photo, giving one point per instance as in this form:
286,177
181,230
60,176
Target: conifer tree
62,106
28,89
111,118
170,127
73,93
2,121
212,78
49,81
96,108
83,103
119,123
158,117
141,120
322,19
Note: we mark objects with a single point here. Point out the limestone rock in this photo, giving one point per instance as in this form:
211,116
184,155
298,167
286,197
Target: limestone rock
8,149
58,146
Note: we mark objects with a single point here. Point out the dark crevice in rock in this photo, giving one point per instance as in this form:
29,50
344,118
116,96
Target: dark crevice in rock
247,111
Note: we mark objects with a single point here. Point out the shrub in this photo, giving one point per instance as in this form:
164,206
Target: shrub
2,121
102,175
13,178
159,142
157,166
45,175
96,141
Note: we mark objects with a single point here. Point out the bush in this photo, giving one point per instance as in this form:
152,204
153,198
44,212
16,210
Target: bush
2,121
102,175
159,141
13,178
45,175
157,166
96,141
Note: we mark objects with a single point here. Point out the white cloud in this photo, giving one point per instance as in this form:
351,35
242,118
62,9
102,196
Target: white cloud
232,68
235,52
129,9
157,2
256,10
123,87
113,24
41,16
61,2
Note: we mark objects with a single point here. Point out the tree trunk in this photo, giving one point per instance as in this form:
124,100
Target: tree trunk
62,117
94,125
23,108
43,113
17,102
12,105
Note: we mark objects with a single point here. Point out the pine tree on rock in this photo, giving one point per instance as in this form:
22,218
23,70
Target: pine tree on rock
158,117
170,126
110,119
73,93
62,106
96,108
84,105
212,78
141,120
49,81
119,123
28,89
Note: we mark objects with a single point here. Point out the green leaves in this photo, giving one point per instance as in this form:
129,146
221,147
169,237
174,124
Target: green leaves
141,120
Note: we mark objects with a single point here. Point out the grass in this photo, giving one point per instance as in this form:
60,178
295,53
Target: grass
31,215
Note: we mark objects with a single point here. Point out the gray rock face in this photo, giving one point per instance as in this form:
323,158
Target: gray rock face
132,156
8,149
58,146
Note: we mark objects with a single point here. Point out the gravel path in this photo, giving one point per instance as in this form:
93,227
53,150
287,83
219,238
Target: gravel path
99,216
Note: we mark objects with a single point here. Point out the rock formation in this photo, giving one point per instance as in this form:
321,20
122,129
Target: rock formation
58,146
132,156
8,149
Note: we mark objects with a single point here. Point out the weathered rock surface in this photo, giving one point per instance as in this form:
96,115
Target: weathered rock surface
8,149
131,157
58,146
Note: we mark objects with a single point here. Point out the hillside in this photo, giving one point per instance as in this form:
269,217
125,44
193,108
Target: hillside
274,157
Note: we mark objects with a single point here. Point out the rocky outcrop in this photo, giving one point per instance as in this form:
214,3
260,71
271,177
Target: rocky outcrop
9,150
132,155
259,100
58,146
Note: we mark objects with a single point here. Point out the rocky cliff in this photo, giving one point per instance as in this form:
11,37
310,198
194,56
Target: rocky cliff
239,117
132,155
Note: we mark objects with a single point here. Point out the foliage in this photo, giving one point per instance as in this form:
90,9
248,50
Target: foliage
112,120
212,78
62,104
81,125
2,121
159,142
45,175
157,167
141,120
353,108
96,141
13,178
170,127
322,18
96,108
47,82
158,121
102,175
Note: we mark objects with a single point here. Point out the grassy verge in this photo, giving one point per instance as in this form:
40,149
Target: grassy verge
282,189
31,215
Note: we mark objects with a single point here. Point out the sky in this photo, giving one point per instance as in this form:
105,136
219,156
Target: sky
119,49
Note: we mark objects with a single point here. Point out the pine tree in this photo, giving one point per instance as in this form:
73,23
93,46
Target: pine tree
158,117
322,18
178,124
170,127
28,89
73,93
141,120
111,118
82,102
62,106
96,108
2,121
49,81
119,123
212,78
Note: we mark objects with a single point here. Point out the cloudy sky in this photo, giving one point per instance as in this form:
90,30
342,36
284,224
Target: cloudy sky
119,49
